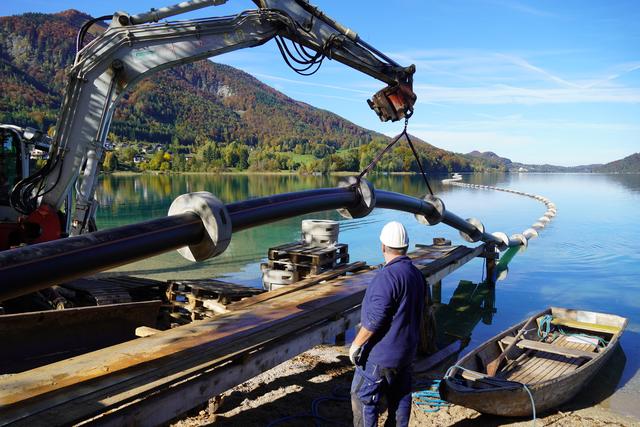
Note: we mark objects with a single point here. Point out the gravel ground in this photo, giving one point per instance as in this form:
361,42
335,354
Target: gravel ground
321,378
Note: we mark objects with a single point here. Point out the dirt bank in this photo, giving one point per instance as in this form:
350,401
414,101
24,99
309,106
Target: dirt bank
319,379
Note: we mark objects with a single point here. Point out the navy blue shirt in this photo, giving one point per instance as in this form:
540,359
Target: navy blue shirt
392,309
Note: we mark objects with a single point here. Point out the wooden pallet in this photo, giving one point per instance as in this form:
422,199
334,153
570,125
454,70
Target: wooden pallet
308,259
205,298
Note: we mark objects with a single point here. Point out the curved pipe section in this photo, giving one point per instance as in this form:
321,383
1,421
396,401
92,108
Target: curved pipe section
402,202
519,239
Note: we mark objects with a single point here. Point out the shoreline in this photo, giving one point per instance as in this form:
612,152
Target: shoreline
249,173
320,378
343,173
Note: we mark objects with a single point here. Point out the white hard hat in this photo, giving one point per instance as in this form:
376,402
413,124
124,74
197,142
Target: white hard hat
394,235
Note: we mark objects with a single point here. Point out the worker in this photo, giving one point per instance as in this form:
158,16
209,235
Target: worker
384,347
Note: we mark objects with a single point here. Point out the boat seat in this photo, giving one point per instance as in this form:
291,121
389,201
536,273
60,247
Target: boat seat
549,348
593,327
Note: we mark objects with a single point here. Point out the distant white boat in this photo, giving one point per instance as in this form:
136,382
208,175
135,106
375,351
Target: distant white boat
454,178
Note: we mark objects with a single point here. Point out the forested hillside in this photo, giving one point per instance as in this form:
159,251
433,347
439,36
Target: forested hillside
201,116
630,164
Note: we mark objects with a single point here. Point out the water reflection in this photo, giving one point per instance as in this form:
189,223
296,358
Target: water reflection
588,257
629,181
126,194
469,304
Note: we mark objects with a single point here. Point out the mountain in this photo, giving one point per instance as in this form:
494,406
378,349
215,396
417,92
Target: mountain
203,98
202,104
490,159
630,164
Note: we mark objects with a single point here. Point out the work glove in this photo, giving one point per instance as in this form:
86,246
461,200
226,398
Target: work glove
354,353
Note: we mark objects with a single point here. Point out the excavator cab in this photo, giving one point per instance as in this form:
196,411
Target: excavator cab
16,144
11,165
11,169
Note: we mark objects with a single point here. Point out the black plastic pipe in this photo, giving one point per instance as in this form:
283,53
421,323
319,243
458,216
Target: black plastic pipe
254,212
35,267
402,202
32,268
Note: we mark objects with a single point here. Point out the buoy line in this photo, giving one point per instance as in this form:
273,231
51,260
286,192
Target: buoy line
518,239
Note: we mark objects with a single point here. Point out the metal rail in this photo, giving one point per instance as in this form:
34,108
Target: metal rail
32,268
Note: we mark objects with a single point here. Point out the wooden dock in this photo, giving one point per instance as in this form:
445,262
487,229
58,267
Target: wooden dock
150,380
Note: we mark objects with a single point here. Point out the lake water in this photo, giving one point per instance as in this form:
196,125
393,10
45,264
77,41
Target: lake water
587,258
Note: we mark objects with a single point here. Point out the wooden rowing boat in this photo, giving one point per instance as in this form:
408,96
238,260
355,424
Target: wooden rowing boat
556,356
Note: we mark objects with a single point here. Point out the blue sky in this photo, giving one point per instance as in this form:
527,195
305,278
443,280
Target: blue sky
536,81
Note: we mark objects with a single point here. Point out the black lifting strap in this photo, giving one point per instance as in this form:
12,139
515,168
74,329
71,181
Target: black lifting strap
388,147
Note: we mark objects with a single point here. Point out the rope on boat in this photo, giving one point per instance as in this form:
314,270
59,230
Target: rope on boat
528,234
449,373
544,329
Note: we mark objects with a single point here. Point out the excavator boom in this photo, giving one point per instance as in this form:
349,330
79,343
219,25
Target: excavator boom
135,46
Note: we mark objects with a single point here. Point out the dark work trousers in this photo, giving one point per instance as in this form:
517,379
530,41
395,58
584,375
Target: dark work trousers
370,383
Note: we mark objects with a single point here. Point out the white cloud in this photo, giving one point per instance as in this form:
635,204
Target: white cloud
520,7
528,141
466,76
516,122
308,95
465,141
308,83
505,94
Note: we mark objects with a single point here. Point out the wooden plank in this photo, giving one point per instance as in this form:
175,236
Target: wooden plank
119,377
526,373
585,346
513,365
561,364
561,367
542,364
212,382
170,356
302,284
570,364
565,365
435,271
592,327
550,348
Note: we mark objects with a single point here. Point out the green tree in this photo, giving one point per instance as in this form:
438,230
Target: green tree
110,162
157,160
179,163
128,154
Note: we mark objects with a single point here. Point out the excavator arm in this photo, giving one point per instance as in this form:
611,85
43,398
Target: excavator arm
136,46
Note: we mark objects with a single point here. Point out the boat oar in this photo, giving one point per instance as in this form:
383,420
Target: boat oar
492,367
